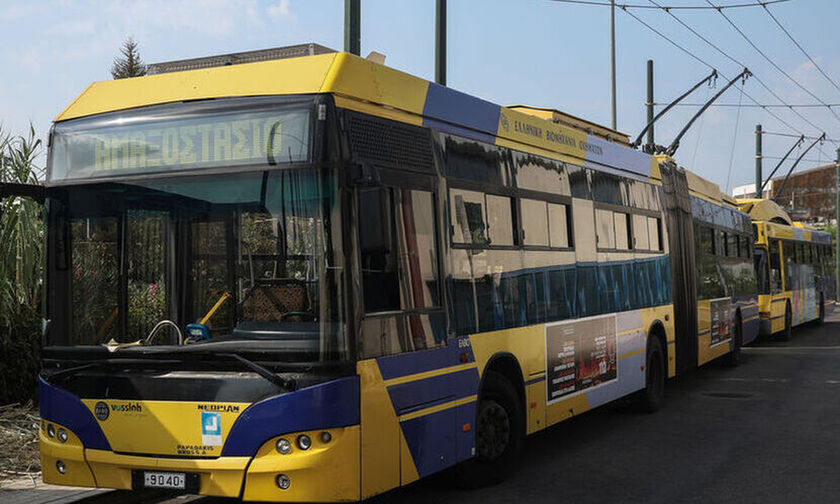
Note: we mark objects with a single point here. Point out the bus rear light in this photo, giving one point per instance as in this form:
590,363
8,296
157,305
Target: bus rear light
283,482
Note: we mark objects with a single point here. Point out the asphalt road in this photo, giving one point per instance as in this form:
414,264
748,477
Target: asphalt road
767,431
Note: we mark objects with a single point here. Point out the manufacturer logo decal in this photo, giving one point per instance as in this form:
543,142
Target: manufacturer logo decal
211,428
224,408
101,411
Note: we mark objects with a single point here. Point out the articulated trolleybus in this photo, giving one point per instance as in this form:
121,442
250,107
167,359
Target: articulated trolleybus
319,278
795,268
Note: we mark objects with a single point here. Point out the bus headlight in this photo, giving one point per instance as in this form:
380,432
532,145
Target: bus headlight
284,446
304,442
326,437
50,430
60,467
62,435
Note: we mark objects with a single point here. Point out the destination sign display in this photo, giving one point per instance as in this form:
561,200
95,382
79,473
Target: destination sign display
184,142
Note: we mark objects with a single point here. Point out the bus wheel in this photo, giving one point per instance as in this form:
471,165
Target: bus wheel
499,434
785,334
733,358
650,398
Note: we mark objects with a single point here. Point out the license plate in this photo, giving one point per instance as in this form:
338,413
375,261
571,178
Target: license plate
164,480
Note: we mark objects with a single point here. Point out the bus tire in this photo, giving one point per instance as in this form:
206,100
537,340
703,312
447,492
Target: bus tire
651,398
499,434
733,358
788,330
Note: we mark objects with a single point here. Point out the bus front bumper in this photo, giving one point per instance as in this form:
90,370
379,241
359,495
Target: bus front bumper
326,472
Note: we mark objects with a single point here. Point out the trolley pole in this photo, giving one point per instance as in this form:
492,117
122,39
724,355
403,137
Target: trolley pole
440,42
837,230
650,101
612,63
758,159
353,26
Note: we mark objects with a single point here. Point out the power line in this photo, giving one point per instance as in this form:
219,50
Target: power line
760,105
804,159
672,7
689,53
739,63
764,132
764,55
797,44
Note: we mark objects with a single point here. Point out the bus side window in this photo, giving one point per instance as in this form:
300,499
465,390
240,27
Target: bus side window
775,267
400,277
380,282
789,258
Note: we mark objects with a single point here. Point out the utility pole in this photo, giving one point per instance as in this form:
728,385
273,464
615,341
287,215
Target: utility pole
440,42
353,26
758,160
837,230
612,62
650,140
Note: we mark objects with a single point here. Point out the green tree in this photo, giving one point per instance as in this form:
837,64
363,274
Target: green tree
128,64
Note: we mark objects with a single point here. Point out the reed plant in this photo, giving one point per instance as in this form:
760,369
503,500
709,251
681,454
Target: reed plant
21,269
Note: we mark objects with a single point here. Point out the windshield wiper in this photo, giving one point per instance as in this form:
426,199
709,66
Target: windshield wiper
289,384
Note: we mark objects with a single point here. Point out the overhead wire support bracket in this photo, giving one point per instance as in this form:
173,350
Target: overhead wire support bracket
779,164
784,181
649,148
676,143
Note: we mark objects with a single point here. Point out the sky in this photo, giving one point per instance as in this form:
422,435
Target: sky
536,52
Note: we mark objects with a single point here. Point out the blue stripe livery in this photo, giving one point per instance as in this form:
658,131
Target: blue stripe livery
323,406
62,407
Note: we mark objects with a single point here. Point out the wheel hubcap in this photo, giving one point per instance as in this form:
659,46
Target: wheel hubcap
493,431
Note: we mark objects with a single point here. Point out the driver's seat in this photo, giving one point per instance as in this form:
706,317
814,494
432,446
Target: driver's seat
271,298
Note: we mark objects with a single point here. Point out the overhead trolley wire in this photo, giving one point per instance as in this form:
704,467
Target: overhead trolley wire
689,53
673,7
760,105
789,135
764,55
798,45
739,63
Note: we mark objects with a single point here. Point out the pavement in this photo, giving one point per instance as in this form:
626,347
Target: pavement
766,431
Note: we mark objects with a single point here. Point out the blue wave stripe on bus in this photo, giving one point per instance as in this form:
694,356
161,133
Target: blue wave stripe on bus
547,294
60,406
436,441
448,105
434,390
396,366
323,406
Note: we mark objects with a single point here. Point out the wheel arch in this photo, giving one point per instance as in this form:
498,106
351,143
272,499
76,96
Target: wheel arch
507,365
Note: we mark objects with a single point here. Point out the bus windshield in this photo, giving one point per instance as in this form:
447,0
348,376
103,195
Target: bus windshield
251,256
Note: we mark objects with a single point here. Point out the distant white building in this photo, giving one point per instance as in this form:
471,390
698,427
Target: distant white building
748,190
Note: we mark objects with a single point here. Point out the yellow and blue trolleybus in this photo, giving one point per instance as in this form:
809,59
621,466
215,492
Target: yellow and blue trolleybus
795,268
319,278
